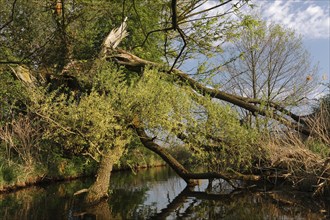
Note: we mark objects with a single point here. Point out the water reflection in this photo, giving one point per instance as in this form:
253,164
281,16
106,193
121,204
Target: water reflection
159,194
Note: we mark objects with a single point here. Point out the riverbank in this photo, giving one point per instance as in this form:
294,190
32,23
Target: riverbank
15,176
40,180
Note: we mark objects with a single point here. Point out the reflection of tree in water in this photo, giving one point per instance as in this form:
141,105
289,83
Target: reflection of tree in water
129,200
52,201
36,203
18,205
126,179
129,192
244,205
125,202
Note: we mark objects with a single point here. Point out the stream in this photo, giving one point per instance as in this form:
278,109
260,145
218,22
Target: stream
158,193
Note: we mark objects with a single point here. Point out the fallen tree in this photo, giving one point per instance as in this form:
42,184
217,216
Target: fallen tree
255,106
121,99
278,112
134,63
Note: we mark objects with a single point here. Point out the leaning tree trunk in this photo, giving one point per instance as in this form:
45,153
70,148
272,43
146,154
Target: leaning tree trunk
99,189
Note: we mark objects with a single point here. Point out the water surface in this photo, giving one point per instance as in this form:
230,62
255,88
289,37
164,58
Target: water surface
159,193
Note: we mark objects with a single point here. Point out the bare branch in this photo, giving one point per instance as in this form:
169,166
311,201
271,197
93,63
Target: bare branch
209,9
182,49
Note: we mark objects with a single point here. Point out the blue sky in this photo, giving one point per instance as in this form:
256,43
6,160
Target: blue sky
311,19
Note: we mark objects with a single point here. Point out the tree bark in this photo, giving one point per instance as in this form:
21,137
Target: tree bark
167,157
99,189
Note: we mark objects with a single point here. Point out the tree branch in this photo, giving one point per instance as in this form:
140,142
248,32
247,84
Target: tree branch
209,9
180,169
174,15
130,60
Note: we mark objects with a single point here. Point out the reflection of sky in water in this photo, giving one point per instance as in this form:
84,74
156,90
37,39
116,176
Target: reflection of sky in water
158,194
162,193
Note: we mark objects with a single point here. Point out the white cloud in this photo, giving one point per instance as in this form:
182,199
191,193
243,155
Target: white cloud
309,18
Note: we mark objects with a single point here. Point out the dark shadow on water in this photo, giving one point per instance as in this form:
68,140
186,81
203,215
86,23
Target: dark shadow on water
159,194
241,205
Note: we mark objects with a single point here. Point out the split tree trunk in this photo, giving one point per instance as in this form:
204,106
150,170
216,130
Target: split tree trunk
99,189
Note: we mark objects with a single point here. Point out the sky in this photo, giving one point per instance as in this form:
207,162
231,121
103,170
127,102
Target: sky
310,19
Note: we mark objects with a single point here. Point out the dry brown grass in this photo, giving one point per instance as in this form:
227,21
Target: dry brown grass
303,162
320,124
21,137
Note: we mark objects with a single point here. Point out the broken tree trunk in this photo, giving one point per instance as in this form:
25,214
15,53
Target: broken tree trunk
111,155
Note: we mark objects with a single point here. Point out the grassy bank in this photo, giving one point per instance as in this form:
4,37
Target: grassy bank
16,175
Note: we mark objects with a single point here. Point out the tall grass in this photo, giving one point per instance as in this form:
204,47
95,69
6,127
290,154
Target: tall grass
304,161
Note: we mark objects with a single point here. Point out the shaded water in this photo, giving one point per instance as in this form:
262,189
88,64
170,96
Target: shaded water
159,194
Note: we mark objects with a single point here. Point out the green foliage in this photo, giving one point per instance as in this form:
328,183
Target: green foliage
8,173
87,121
13,171
100,120
68,167
186,156
160,103
137,157
12,95
250,22
228,145
319,147
37,35
29,30
87,127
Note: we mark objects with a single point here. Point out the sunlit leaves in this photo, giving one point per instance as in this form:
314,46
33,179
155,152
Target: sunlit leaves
219,141
161,103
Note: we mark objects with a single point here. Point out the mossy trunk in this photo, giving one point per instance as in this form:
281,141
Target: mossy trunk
99,189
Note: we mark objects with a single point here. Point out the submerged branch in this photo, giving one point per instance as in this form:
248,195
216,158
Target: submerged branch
80,192
188,176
